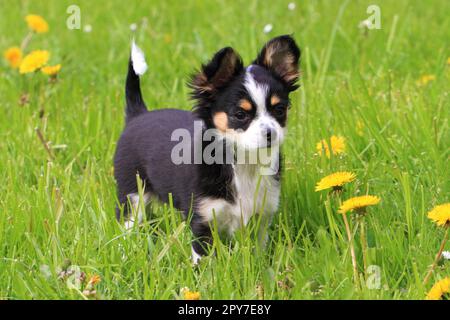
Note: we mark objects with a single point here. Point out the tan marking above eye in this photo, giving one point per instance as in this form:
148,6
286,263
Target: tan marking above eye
274,100
245,104
220,120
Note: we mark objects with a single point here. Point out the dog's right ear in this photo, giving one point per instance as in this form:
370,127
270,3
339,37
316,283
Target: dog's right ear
216,74
281,56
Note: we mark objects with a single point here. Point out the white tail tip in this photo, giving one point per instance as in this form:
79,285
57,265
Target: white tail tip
138,59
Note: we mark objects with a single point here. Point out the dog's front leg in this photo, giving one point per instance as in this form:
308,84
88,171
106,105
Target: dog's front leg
202,238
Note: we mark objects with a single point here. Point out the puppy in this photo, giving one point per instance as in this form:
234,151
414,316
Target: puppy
241,111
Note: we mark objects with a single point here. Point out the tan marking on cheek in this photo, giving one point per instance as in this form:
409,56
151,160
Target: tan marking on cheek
274,100
245,104
220,120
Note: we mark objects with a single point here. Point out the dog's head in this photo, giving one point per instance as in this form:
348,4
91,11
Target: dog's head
248,105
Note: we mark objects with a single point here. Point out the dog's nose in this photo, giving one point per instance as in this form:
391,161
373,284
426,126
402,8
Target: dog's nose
270,136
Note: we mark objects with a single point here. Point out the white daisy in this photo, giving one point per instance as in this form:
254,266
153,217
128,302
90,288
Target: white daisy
291,6
87,28
364,24
267,28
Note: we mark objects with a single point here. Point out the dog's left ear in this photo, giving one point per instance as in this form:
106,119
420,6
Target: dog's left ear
281,56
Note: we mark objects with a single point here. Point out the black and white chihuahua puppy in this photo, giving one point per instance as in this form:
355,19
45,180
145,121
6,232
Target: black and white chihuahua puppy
245,107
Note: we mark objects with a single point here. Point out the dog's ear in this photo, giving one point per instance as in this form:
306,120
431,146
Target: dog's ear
281,56
217,73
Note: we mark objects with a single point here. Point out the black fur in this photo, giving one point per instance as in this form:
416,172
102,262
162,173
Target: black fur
213,77
285,72
135,105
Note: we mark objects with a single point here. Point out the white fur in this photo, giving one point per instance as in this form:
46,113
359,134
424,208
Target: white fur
137,210
250,200
138,59
195,256
258,92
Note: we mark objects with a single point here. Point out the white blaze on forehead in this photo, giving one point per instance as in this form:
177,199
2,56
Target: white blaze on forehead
257,91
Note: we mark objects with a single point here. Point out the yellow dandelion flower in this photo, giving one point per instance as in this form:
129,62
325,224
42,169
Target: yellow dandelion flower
425,79
440,290
51,70
94,280
448,61
14,56
34,61
441,214
358,203
335,180
36,23
190,295
337,146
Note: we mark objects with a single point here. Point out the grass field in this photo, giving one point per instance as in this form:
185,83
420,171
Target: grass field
368,86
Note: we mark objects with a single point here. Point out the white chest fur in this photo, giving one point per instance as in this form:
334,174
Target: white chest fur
254,194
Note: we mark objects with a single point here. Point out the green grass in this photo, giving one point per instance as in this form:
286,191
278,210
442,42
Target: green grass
61,212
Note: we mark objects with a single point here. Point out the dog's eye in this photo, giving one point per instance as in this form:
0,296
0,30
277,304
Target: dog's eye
279,110
241,115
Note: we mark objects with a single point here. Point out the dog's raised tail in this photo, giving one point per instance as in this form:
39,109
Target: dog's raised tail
137,66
